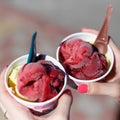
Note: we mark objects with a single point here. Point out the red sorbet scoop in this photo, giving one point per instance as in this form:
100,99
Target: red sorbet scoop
40,81
82,60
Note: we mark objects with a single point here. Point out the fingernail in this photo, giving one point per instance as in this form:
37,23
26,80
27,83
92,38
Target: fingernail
82,88
67,91
84,28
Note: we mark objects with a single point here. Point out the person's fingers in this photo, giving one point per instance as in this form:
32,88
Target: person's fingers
115,49
3,91
7,102
2,108
96,88
89,30
64,105
5,98
116,66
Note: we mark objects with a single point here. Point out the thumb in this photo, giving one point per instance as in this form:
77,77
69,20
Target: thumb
64,105
96,88
89,30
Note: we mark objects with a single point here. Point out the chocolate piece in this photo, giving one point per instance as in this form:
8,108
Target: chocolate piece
102,38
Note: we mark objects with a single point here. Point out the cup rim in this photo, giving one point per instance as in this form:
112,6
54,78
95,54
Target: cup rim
35,103
94,36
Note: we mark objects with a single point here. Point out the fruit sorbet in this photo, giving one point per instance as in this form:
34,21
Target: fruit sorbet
38,81
82,59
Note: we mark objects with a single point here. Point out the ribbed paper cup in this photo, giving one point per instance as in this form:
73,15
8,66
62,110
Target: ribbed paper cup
35,106
89,37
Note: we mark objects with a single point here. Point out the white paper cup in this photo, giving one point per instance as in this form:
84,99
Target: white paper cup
36,106
89,37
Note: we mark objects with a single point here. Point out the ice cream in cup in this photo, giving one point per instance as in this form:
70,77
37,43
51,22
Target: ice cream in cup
82,60
36,85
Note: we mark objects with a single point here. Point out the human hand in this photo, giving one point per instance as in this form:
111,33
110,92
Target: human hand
112,85
14,110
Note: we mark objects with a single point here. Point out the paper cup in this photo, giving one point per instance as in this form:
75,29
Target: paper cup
89,37
36,106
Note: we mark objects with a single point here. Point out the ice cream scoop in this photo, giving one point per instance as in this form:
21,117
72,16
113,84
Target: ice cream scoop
89,50
51,67
82,59
40,81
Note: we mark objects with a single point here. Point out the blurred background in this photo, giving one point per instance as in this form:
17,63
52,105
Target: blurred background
53,20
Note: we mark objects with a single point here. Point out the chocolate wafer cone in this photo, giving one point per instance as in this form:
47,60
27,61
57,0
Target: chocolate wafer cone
102,38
